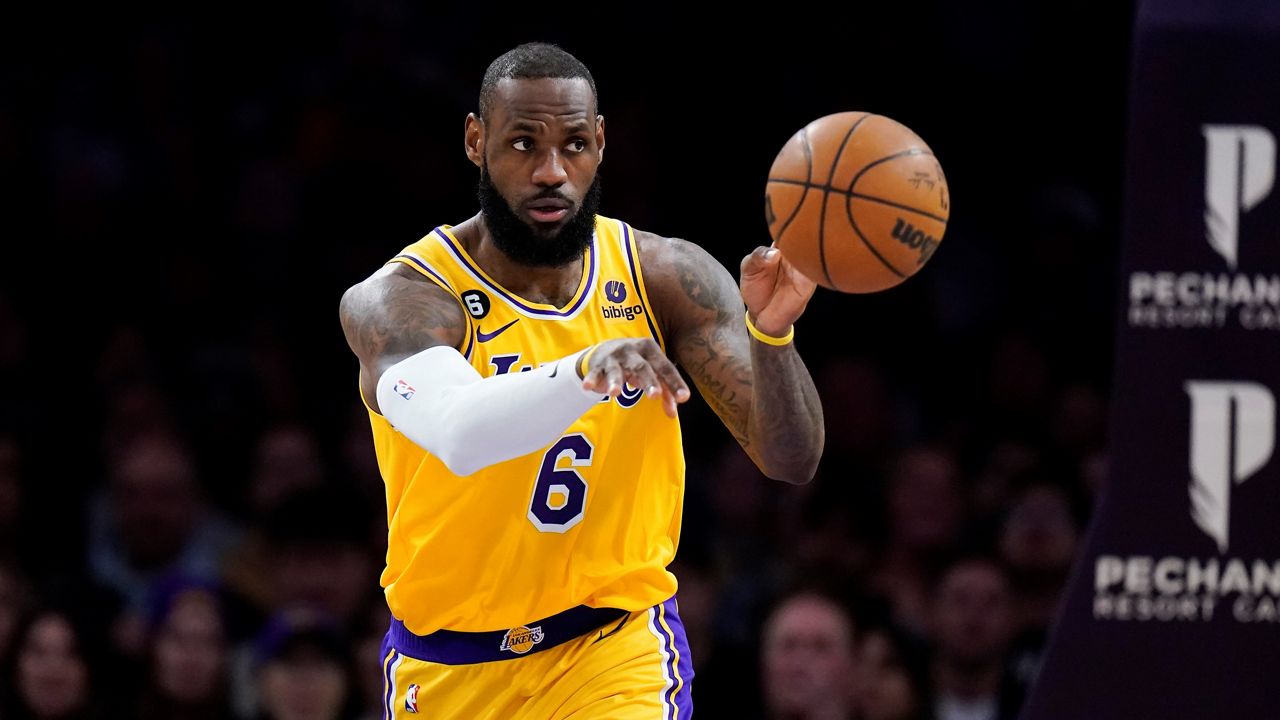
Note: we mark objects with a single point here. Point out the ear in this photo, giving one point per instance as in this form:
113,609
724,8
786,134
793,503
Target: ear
473,139
600,136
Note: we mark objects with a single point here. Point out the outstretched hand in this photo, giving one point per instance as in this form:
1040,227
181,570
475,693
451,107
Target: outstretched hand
775,292
640,363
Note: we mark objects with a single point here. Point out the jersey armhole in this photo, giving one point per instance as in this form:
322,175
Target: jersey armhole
420,265
637,278
365,401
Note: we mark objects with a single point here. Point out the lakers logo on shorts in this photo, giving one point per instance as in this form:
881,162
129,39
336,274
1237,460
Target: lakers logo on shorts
521,640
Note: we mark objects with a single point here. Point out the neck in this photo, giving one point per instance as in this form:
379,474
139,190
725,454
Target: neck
551,285
966,681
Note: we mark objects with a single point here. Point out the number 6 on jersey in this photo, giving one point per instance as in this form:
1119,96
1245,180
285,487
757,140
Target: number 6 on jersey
560,495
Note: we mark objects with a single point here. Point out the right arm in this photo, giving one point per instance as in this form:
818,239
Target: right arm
394,314
405,331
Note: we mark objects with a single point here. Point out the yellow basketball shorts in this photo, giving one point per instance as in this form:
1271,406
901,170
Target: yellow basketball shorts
581,664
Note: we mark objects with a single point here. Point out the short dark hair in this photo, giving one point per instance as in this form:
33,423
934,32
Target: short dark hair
530,61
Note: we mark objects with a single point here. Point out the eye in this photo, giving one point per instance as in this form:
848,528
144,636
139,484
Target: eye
522,144
578,145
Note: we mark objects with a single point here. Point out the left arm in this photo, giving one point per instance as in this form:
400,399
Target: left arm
763,393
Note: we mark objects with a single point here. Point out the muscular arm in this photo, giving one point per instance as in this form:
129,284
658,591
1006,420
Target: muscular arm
762,393
405,332
393,314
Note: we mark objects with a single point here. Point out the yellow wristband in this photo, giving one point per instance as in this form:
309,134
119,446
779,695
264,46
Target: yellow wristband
769,339
582,361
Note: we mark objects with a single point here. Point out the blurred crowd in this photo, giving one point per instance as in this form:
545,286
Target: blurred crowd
908,581
192,523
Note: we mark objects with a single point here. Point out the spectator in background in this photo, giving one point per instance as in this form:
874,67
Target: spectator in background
889,679
188,671
926,507
745,508
54,669
1038,541
807,658
1078,425
994,484
973,625
305,671
153,522
721,660
320,557
286,462
860,420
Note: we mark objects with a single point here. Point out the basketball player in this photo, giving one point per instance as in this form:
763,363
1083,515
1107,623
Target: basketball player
520,373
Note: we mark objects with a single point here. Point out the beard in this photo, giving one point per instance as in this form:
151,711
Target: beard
526,246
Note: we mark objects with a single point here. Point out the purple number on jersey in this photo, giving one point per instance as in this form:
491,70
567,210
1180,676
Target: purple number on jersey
560,495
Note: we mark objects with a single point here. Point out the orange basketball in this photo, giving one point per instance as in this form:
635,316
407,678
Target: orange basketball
857,202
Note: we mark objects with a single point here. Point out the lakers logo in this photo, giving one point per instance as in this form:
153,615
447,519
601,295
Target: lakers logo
521,640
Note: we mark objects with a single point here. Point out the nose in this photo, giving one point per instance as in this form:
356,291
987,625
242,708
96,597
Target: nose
549,171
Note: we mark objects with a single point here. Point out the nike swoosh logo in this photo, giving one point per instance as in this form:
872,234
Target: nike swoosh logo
614,631
486,337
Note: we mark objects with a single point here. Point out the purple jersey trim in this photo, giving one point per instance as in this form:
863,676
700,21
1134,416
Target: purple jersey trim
428,270
466,351
635,280
680,696
512,299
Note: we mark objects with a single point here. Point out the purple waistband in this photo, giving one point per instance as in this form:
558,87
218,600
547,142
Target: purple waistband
450,647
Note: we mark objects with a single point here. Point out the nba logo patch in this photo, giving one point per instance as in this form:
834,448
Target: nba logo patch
404,389
521,640
411,699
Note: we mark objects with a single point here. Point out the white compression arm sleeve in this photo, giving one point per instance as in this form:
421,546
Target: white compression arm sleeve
437,400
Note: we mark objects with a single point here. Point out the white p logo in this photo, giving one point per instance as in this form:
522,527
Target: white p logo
1233,431
1240,166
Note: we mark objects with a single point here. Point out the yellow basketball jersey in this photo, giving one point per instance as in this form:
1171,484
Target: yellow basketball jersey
592,519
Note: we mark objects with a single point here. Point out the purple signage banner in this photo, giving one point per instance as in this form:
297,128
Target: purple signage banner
1174,608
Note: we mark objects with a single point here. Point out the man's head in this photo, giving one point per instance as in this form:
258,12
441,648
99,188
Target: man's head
538,142
973,613
156,500
808,656
926,501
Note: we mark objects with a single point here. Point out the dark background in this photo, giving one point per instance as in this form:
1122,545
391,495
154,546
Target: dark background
187,194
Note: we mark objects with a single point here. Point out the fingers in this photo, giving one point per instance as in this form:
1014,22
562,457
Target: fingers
667,382
645,377
614,378
640,364
760,260
676,389
640,375
598,377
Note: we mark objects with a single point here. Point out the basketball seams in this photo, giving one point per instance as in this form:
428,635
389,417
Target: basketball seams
911,151
808,159
860,196
848,204
822,215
